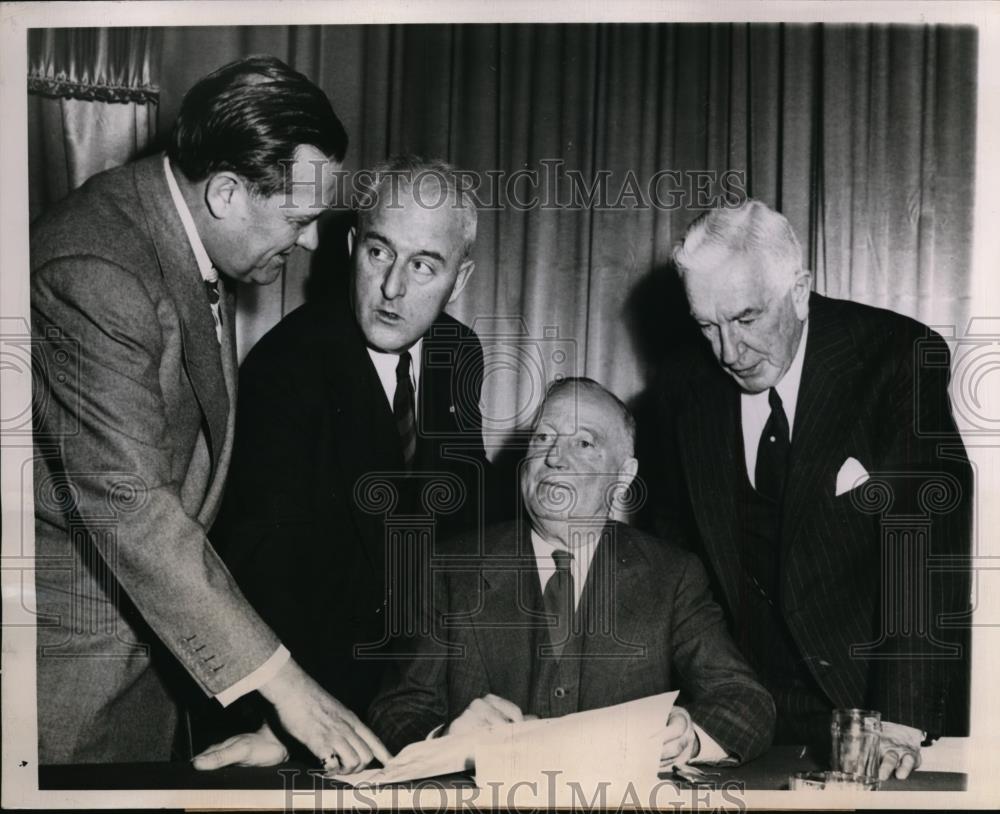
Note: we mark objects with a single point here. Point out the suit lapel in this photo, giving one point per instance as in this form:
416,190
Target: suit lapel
227,304
366,437
182,279
505,628
822,411
711,444
611,611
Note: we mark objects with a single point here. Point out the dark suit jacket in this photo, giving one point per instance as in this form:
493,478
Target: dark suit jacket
874,387
653,628
132,440
314,493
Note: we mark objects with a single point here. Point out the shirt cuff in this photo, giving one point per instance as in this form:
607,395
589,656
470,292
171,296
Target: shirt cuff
434,732
257,679
710,751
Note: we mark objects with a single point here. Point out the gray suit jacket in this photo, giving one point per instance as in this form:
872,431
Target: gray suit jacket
653,627
133,429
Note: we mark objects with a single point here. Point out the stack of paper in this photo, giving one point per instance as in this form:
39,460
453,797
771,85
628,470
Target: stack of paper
558,757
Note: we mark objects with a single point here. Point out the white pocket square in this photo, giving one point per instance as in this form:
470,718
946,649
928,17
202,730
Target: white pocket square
851,475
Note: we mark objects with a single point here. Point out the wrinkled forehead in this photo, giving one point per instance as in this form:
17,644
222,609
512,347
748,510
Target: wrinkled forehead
730,284
408,215
571,409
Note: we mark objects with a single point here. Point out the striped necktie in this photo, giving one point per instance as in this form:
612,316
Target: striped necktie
214,300
403,410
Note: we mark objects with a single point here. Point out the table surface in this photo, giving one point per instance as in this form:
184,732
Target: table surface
770,771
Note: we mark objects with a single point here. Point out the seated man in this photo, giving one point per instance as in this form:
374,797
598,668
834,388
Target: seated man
566,612
572,611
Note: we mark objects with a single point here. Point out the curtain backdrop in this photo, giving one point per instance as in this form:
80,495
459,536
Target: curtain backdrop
862,135
91,104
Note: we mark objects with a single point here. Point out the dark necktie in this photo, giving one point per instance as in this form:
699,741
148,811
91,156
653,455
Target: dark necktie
559,600
212,290
403,410
772,451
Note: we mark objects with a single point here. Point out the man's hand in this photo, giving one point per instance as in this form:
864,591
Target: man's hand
680,741
899,750
485,713
325,727
260,748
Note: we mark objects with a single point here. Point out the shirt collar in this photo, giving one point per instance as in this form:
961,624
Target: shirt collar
582,555
208,272
788,387
386,362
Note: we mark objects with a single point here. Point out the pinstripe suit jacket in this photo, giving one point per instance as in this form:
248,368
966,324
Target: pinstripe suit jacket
864,586
650,626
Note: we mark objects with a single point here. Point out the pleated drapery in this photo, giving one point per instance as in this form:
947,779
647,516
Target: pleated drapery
863,135
92,104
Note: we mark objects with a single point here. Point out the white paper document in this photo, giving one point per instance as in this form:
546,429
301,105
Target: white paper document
618,744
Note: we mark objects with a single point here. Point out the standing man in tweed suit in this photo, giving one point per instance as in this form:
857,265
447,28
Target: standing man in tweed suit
776,455
135,397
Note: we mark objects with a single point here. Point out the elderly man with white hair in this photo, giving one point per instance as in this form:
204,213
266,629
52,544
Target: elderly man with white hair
815,463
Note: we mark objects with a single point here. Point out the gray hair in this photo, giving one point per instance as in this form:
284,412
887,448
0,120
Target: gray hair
380,187
582,382
753,229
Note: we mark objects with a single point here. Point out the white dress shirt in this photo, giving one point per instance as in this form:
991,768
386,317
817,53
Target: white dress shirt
755,408
385,366
263,674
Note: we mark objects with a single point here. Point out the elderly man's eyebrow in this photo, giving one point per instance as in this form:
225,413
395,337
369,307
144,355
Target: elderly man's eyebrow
747,312
371,234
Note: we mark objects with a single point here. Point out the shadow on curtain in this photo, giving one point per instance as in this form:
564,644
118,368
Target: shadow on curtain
597,144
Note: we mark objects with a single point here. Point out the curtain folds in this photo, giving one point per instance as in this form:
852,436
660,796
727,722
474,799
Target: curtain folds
95,64
92,105
863,135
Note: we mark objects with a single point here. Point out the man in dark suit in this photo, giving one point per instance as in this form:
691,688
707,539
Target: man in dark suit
816,465
359,427
135,395
566,610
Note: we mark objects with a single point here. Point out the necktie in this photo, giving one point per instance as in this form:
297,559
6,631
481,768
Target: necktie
403,410
212,290
559,600
772,451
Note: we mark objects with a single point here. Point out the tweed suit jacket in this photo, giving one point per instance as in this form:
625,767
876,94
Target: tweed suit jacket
863,583
133,431
652,627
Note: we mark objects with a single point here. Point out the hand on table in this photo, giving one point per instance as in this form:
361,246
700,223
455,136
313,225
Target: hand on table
680,741
485,713
260,748
899,750
325,727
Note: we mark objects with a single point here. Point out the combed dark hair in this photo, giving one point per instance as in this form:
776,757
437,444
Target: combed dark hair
248,117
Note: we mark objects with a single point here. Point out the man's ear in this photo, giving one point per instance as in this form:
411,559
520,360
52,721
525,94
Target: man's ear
626,474
465,270
801,289
221,194
352,235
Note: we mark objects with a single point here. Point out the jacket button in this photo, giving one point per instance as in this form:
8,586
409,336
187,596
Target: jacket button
559,692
